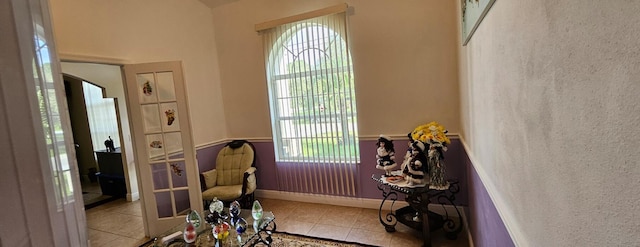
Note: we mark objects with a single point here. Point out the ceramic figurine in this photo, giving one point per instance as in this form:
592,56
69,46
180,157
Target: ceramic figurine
417,167
407,155
385,155
109,144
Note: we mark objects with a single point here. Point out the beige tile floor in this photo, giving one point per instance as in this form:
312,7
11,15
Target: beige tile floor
119,223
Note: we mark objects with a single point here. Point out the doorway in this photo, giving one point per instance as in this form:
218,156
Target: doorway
159,116
97,141
110,79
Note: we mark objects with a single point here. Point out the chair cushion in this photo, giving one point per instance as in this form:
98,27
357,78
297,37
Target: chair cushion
223,192
210,178
232,163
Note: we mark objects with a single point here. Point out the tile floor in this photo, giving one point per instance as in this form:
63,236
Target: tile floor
119,223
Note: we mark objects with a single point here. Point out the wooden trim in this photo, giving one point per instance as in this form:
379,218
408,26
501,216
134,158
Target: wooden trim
308,15
401,137
74,58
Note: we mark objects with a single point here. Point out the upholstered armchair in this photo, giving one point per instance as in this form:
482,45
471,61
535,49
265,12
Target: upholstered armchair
233,177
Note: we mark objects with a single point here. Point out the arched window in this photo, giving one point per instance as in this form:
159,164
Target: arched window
311,91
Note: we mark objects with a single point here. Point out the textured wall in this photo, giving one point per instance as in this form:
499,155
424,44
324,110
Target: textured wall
550,111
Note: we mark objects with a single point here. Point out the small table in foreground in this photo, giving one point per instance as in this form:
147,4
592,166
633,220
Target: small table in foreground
256,232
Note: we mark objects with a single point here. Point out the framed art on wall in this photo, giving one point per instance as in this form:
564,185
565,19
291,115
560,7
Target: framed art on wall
473,11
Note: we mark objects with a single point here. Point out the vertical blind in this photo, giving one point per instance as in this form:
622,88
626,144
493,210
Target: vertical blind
312,104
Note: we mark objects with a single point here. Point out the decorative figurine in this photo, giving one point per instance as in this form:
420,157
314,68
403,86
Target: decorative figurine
171,116
437,147
109,144
407,155
221,231
194,218
385,155
418,165
189,233
256,210
434,137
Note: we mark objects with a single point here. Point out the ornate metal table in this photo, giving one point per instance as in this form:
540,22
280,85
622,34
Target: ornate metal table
417,215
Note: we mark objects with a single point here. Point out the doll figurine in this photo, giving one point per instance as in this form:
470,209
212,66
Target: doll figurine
417,167
385,155
407,155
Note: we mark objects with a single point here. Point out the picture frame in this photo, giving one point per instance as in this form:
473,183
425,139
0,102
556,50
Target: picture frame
472,13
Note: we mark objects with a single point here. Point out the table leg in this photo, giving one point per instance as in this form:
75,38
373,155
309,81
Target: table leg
390,220
426,230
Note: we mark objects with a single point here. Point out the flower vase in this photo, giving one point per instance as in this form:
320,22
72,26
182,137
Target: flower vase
436,171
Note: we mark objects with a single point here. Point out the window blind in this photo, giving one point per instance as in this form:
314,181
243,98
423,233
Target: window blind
312,104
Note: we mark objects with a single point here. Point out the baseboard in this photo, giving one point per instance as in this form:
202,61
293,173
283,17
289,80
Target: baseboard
346,201
326,199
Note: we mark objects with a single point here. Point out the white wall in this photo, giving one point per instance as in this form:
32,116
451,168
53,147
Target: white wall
150,31
550,113
404,56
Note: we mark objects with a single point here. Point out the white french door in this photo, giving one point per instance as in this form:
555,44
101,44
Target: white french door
165,153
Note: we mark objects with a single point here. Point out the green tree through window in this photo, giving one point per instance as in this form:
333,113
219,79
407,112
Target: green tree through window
312,95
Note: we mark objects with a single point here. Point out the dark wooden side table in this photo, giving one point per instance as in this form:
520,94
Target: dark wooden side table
417,215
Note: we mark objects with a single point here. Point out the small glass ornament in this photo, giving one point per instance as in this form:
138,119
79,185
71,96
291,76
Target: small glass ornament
234,209
194,218
216,205
256,210
257,224
221,231
189,233
241,226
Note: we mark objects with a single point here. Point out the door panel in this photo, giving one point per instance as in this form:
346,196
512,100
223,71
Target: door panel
165,153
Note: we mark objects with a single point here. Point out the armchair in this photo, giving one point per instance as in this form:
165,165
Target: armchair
234,176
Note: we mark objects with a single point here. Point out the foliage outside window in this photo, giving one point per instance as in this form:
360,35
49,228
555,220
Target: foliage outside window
312,95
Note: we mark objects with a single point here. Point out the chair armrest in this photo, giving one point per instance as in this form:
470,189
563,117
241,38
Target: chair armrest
208,179
251,170
248,174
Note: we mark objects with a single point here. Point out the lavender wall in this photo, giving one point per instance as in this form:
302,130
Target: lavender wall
485,224
265,163
366,187
456,168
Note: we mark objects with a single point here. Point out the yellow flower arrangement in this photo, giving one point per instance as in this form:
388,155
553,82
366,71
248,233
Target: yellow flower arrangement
432,133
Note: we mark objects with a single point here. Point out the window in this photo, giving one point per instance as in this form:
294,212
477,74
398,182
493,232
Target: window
51,122
311,91
101,113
